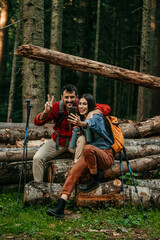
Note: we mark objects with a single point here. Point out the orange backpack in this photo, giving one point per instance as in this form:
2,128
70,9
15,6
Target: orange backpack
116,132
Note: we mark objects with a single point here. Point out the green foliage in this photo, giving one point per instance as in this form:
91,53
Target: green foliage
84,223
128,179
157,174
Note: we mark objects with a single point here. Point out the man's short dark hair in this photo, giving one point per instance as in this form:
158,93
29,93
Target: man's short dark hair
69,88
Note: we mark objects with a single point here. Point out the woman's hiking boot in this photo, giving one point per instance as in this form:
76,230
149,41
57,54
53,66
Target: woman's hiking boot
58,211
91,184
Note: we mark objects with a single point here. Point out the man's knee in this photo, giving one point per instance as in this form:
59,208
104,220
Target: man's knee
37,159
81,140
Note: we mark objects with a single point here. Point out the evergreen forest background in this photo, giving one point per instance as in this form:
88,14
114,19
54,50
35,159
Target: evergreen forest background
122,33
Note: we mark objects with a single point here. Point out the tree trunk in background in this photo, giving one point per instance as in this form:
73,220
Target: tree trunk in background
3,40
96,46
33,87
56,44
116,63
14,66
81,86
146,58
155,95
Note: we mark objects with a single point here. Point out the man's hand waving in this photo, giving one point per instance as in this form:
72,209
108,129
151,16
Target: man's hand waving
48,104
47,107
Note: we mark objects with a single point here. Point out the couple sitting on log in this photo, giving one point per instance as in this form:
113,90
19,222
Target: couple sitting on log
90,157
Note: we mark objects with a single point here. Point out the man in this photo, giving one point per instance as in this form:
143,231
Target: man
61,136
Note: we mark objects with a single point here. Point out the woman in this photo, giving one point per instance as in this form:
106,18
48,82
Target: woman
97,155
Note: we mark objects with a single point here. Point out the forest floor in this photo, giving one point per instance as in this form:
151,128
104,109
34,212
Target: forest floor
32,222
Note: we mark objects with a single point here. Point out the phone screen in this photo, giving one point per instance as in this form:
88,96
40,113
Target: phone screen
72,110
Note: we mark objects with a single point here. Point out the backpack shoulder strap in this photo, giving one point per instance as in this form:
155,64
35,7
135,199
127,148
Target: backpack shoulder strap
60,114
108,127
61,106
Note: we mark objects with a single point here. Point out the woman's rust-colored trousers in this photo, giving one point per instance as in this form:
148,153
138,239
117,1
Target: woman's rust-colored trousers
93,158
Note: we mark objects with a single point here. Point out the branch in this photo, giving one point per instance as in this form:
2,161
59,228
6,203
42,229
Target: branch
11,24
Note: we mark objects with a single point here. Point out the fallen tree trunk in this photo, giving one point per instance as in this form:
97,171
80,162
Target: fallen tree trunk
151,127
16,154
150,183
10,135
128,142
31,143
140,151
105,193
143,141
10,173
47,192
14,125
40,193
137,165
55,171
89,66
149,196
108,192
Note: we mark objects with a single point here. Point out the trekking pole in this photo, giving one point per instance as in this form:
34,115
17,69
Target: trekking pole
136,190
24,149
121,167
26,138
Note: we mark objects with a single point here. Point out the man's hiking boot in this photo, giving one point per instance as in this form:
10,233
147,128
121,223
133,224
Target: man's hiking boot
91,184
58,211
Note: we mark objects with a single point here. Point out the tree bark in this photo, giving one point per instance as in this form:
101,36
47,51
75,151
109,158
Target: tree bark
149,196
31,143
109,192
150,183
142,141
56,44
9,133
86,65
96,47
16,154
58,169
55,171
14,125
146,58
142,129
98,197
137,165
33,86
128,142
10,172
155,95
40,193
140,151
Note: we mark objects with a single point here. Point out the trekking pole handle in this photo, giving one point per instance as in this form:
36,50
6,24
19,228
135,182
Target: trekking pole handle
28,114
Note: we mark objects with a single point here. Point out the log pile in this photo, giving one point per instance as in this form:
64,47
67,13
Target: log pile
142,142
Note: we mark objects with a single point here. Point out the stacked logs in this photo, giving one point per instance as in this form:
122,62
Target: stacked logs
142,142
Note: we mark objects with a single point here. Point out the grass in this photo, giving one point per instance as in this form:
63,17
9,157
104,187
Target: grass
19,222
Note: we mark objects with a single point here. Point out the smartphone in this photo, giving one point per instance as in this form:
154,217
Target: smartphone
72,110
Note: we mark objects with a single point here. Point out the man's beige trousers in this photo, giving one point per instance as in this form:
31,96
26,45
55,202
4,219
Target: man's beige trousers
48,151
